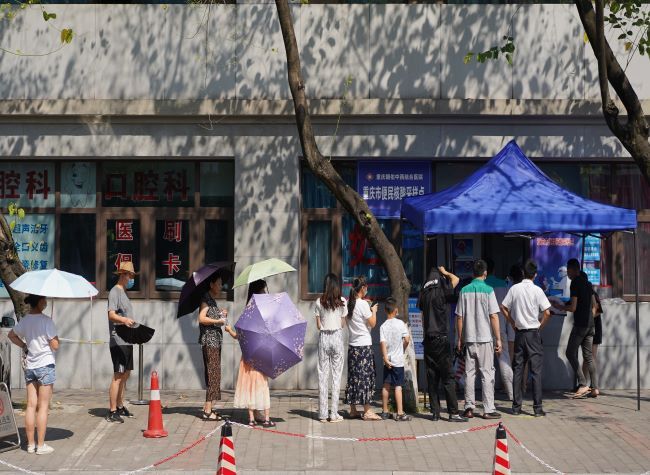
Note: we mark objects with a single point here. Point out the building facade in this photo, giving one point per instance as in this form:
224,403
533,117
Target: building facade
164,134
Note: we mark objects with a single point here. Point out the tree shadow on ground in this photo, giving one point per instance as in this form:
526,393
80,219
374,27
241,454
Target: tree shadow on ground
53,433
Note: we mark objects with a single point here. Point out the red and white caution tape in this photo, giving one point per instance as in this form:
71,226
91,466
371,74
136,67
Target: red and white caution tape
531,454
20,469
177,454
367,439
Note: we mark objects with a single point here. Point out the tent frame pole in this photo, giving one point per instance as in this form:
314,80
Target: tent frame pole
582,257
636,302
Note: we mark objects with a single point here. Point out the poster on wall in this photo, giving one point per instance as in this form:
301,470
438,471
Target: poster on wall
28,185
78,185
122,245
384,184
551,253
417,330
34,239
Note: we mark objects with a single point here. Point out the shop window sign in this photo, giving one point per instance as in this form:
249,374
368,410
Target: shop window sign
78,188
28,185
122,245
384,184
172,254
148,184
34,241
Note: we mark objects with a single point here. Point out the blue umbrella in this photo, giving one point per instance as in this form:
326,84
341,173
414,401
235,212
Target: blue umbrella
271,333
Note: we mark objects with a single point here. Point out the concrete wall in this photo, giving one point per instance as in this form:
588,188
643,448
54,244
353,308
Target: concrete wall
388,51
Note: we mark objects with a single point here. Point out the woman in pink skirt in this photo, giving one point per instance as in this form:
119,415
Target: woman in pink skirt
252,389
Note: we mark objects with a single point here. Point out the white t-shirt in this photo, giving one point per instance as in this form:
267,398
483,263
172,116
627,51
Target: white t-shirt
330,319
392,332
358,324
37,330
526,301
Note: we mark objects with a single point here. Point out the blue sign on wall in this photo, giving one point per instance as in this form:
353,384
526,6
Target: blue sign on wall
384,184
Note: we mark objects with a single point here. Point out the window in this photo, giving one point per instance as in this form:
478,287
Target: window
643,245
78,246
167,216
333,242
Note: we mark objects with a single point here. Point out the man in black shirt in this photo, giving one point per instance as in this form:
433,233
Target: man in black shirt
582,333
435,296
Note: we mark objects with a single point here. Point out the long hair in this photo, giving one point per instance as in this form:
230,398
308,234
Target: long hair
331,298
357,284
257,287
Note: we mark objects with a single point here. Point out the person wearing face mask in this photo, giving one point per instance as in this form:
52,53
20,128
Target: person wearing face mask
120,312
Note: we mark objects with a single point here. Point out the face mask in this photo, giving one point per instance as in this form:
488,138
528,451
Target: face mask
130,283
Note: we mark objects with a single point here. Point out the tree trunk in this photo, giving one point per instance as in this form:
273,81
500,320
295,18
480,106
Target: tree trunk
400,286
11,267
321,167
634,133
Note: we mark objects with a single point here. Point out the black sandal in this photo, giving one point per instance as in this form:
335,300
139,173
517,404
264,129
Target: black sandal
252,423
268,424
208,416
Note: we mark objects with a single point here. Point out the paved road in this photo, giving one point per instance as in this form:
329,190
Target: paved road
604,435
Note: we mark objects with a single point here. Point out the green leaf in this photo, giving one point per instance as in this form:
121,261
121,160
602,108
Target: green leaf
628,46
11,208
66,35
12,225
21,213
509,58
48,16
468,57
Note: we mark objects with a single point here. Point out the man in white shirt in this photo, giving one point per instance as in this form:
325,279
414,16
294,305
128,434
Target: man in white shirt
522,307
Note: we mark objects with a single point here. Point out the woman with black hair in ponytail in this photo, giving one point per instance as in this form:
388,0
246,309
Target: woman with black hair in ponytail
361,362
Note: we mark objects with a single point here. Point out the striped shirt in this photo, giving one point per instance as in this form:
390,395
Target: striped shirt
475,305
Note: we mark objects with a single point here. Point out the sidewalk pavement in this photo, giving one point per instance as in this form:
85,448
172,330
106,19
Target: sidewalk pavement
603,435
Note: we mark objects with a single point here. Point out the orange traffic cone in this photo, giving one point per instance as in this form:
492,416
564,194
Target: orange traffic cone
501,457
227,464
155,428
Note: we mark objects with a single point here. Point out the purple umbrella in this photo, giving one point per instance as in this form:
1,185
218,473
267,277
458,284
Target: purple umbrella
199,283
271,333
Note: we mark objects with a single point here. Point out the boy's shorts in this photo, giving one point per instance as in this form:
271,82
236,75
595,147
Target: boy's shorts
394,376
45,375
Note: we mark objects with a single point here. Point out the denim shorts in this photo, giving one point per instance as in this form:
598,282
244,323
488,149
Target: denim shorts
45,375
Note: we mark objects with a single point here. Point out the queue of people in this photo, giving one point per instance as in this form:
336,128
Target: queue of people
484,324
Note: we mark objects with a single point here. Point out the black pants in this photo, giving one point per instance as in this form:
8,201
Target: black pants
528,349
438,361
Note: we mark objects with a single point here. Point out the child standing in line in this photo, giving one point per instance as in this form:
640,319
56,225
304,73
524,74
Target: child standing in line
393,338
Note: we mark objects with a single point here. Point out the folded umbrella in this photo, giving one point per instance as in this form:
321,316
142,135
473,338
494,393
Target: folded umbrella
137,335
261,270
271,333
54,283
199,283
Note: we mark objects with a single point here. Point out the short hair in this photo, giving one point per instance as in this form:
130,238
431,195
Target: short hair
490,265
573,264
390,305
516,274
33,300
480,267
530,269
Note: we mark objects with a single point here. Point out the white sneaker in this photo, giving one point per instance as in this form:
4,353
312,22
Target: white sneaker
31,449
44,450
336,418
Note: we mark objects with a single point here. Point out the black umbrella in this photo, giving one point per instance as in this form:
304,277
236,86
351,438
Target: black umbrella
136,335
199,283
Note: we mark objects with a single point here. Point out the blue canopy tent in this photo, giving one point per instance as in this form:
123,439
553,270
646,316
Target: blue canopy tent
510,195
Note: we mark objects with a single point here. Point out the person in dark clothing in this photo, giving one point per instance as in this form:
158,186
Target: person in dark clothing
582,333
434,301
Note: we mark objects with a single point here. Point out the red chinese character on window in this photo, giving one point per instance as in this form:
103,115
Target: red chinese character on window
37,183
123,258
9,184
173,263
173,231
146,186
124,230
358,246
176,182
115,186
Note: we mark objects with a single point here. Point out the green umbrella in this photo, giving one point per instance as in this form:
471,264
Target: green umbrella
261,270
